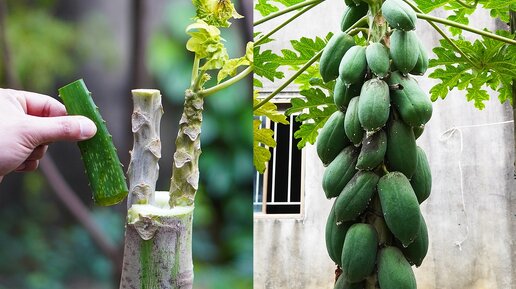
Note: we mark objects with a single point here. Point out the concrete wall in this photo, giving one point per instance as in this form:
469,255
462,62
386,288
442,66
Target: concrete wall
471,213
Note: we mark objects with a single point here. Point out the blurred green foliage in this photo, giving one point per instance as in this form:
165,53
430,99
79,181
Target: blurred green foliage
222,234
41,249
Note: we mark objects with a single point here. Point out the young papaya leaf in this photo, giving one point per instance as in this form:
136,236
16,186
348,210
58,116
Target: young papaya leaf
206,43
216,12
269,110
262,137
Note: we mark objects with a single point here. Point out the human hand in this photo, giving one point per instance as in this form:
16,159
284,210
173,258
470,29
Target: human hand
28,123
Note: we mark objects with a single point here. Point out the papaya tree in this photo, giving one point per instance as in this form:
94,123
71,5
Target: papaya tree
362,104
158,238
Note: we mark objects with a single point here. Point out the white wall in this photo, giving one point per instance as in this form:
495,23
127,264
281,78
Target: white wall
480,215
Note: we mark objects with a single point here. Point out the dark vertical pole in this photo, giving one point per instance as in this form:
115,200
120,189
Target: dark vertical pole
139,77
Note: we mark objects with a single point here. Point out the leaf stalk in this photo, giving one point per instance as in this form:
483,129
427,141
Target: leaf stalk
287,10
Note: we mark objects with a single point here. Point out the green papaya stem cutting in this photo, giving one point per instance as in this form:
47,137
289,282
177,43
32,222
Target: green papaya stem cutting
185,171
99,155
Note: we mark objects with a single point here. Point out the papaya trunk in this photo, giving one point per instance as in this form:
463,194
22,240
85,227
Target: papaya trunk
185,170
158,238
158,246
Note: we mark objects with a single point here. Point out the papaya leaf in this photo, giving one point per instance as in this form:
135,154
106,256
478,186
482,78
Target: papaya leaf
266,7
231,66
314,110
266,64
493,67
269,110
262,137
206,43
302,51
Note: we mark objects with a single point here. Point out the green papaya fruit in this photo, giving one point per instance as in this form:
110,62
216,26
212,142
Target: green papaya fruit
373,105
332,54
339,172
378,60
400,206
343,93
416,252
342,283
334,236
413,104
422,61
353,66
352,127
394,272
372,151
404,50
355,196
359,252
401,153
332,138
418,131
399,15
421,181
352,14
350,3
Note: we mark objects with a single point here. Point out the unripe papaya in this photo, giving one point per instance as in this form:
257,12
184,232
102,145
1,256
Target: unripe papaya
399,15
352,14
401,154
373,105
355,196
413,104
378,60
332,54
422,61
416,252
343,93
394,272
400,206
421,181
332,138
353,66
339,172
342,283
352,127
404,50
334,235
418,131
359,252
372,151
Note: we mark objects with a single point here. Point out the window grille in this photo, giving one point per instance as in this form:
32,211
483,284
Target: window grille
279,189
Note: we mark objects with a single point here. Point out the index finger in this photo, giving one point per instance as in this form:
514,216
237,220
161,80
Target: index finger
39,104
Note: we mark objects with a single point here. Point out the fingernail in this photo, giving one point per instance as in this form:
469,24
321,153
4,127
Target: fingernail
88,128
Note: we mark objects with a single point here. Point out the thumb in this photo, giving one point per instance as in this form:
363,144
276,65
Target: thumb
62,128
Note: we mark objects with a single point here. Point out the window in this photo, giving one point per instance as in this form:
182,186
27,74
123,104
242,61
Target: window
279,189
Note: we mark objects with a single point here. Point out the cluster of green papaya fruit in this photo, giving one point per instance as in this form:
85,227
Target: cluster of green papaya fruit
374,169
